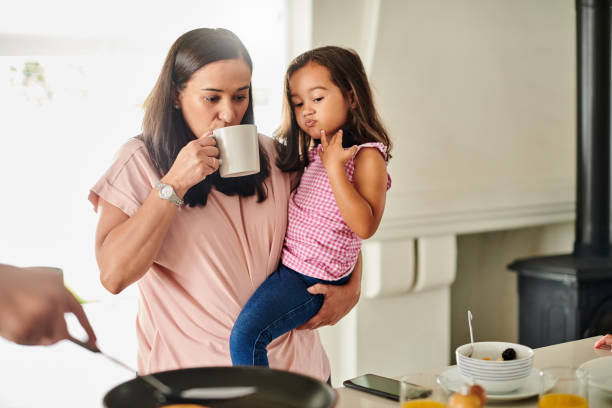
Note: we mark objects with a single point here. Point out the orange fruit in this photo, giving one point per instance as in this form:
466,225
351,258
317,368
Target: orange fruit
479,392
458,400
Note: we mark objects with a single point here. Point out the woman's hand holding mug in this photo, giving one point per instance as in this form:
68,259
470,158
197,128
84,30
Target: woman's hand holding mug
196,160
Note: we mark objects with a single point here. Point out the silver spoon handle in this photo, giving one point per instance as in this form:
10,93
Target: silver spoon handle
470,323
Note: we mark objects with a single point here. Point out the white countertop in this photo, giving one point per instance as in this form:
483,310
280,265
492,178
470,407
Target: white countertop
567,354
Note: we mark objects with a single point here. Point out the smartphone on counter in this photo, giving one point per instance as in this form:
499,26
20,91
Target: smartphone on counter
385,387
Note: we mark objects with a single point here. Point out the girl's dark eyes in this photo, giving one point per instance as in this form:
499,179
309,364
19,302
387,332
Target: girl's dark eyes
211,98
240,97
300,104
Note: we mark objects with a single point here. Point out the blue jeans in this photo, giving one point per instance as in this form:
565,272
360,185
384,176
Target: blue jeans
278,306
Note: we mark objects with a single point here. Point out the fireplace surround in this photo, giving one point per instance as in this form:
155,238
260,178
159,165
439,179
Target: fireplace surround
568,297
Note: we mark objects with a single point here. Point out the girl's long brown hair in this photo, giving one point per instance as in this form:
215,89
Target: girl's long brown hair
363,123
164,130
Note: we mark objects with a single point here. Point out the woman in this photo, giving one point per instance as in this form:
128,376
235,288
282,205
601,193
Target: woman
196,265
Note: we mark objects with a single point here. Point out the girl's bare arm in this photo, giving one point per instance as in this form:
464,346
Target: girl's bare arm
362,202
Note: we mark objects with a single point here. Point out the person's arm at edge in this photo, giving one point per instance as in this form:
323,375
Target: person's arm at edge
604,343
32,307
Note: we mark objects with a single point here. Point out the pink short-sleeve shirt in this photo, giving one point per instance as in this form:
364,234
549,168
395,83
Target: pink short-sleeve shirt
212,260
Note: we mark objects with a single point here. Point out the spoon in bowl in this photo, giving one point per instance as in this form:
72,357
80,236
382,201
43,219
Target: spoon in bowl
194,395
469,354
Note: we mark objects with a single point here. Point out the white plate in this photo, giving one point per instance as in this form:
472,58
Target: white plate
601,371
452,380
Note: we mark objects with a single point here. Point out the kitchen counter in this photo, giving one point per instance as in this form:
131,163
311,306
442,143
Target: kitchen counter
566,354
66,374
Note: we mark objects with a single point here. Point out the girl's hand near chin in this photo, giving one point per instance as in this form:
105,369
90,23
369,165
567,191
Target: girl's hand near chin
333,154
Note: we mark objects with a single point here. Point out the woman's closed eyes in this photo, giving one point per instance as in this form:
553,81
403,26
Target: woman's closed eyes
216,98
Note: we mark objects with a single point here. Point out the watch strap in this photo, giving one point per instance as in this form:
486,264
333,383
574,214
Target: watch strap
173,198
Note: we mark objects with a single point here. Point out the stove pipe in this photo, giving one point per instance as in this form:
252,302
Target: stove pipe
593,201
568,297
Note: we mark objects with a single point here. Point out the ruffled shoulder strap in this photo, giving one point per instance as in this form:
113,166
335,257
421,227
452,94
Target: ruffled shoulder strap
377,145
383,150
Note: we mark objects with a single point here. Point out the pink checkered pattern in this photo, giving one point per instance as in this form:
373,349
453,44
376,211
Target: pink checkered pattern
318,242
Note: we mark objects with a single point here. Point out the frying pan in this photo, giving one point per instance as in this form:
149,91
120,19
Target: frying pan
275,388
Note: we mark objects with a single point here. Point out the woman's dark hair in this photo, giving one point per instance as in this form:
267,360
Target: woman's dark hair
363,124
164,130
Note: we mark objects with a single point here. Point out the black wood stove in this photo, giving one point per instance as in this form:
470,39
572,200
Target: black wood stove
569,297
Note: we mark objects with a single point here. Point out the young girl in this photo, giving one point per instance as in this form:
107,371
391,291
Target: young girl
332,132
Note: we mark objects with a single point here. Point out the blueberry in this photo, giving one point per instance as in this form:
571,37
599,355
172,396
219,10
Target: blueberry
509,354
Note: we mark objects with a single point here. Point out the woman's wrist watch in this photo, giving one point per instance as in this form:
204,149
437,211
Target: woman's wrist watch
166,192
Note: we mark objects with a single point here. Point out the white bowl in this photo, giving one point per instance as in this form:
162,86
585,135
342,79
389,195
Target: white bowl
496,377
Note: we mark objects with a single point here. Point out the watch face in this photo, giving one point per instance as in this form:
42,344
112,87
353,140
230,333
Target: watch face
166,192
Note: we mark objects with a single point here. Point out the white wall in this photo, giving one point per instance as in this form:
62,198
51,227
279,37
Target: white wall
98,65
479,97
99,62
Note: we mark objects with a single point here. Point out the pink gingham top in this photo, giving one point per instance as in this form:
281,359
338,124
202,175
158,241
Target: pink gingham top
318,242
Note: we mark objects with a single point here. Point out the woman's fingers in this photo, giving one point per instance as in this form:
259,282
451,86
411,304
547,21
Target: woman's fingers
209,157
196,160
208,165
335,306
206,141
213,164
210,151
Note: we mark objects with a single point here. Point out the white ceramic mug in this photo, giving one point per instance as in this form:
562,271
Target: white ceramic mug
238,150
